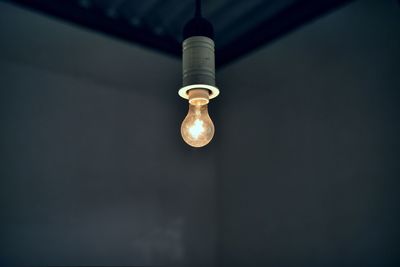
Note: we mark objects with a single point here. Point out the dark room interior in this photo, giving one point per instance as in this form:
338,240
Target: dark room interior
303,168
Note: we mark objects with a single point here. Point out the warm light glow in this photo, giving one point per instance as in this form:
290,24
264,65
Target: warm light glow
197,128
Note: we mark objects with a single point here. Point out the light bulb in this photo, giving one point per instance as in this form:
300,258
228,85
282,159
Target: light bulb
197,128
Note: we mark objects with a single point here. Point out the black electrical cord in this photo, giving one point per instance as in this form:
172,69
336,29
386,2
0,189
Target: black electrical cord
198,8
198,26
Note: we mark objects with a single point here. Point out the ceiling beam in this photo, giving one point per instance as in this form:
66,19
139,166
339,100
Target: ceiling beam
97,20
272,28
288,19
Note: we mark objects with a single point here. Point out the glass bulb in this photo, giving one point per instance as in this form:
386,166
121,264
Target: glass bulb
197,128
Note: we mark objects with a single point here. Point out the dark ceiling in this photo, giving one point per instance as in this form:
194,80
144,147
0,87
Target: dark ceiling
240,25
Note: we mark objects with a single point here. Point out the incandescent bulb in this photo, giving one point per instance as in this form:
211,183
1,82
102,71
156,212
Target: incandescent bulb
197,128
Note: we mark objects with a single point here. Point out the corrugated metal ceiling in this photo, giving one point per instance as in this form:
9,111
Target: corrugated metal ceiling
240,25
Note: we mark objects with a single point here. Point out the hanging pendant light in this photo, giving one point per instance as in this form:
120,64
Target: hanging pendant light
198,68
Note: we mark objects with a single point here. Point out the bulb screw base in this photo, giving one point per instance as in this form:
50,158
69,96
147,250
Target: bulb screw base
199,97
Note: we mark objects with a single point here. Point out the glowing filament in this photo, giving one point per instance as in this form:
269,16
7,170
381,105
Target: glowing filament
197,129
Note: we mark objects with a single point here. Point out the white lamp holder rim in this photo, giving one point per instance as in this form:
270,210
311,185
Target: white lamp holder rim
184,91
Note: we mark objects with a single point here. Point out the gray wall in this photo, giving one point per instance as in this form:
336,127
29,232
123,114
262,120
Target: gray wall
93,168
303,170
310,145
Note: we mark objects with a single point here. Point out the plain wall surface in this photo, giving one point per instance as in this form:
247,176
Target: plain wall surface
310,145
93,168
303,169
